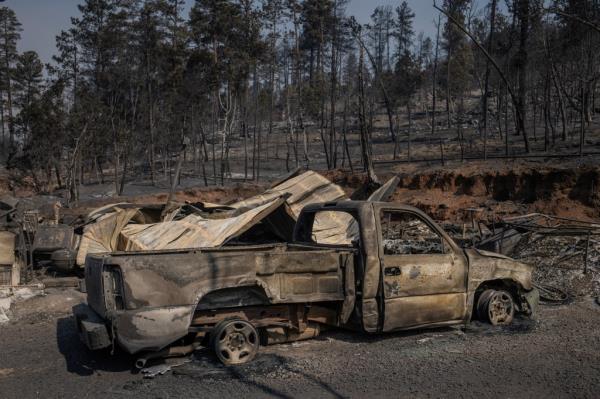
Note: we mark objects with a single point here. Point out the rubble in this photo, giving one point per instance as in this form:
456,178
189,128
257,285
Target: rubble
560,262
565,252
163,368
10,295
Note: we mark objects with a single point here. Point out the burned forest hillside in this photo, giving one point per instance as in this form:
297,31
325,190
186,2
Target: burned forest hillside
288,84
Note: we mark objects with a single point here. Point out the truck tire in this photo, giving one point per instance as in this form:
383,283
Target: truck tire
496,307
234,341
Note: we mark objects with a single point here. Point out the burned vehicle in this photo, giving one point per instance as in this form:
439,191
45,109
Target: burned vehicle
56,244
372,267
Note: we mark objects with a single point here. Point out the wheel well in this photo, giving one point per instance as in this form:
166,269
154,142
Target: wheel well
233,297
511,286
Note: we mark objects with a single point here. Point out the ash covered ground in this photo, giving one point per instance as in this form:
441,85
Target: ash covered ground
556,356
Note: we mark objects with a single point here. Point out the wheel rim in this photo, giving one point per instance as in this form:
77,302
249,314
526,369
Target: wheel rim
237,343
500,308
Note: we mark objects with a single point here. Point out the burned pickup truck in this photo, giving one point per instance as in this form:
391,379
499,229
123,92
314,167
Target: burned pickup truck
395,269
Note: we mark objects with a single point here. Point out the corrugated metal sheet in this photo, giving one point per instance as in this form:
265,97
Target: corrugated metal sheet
341,228
308,188
103,236
193,231
124,227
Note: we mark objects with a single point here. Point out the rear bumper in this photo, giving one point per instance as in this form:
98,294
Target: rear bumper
91,328
134,331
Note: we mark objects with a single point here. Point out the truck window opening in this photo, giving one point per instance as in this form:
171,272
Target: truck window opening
406,234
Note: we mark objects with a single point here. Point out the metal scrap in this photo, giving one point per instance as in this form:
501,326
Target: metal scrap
566,253
127,227
161,369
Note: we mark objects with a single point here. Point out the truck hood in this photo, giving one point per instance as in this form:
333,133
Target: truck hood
486,266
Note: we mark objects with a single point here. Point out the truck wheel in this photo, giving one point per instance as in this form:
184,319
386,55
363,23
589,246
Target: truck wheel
496,307
234,341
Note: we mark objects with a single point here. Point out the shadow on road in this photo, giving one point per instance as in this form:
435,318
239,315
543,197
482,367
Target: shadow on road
205,366
357,337
520,325
242,374
80,360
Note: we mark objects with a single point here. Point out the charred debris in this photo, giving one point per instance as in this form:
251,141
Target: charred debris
34,247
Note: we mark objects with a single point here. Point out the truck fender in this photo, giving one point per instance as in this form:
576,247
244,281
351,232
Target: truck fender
247,293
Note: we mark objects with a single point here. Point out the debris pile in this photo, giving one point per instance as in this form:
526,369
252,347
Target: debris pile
10,295
565,252
560,262
264,218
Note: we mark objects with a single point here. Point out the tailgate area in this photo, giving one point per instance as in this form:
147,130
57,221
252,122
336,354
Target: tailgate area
91,328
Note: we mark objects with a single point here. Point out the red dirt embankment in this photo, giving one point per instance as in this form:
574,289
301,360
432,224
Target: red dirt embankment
498,190
445,194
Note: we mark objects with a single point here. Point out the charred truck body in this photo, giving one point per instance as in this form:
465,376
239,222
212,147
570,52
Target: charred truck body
396,269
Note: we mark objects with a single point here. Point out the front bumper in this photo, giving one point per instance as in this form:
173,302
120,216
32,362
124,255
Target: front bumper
532,300
91,328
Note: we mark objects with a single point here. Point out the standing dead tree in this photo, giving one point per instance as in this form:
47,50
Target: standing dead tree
434,88
357,33
365,141
72,190
486,91
518,114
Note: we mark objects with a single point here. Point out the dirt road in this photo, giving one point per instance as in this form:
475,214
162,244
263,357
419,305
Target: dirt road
559,356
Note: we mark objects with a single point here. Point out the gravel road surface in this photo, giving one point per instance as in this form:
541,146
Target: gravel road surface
557,356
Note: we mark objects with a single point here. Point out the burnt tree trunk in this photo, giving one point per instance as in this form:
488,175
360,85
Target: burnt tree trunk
488,70
364,134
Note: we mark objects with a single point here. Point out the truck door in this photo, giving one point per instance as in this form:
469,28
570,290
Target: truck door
424,275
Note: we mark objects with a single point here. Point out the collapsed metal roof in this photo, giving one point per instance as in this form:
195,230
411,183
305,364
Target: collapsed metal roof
127,227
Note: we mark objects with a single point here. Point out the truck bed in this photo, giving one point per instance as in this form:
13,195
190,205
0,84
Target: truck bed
149,298
286,274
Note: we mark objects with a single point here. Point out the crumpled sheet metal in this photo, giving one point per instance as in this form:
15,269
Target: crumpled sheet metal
193,231
383,193
105,211
308,188
116,232
121,227
103,236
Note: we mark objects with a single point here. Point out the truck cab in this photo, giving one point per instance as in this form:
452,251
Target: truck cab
411,274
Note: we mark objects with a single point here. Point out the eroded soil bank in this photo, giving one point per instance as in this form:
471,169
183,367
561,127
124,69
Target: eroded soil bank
571,191
562,188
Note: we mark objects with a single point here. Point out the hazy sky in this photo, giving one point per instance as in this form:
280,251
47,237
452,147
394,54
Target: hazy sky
43,19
